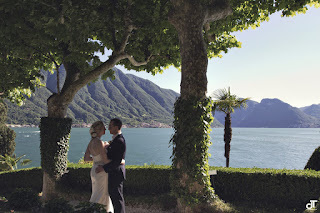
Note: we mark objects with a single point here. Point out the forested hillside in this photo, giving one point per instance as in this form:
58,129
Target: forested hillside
141,103
130,98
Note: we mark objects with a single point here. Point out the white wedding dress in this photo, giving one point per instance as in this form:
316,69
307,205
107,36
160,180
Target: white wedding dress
99,181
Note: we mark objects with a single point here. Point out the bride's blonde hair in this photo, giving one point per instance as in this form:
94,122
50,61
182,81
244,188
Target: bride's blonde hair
96,128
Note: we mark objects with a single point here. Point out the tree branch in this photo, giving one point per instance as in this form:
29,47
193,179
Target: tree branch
58,76
218,9
114,39
73,88
69,92
210,35
129,28
136,63
124,41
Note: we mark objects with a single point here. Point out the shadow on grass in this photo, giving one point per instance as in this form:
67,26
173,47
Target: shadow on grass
166,202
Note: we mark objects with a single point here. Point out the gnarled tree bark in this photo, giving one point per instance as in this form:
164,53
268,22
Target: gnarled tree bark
189,17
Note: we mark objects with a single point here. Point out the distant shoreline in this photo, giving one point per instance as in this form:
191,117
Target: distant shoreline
85,125
148,125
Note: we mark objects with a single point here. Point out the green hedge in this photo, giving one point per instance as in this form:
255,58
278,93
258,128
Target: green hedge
314,160
283,188
77,177
147,180
139,180
23,178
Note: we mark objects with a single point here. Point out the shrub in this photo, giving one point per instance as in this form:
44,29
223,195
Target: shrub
8,162
277,187
3,112
21,178
7,135
140,180
58,205
77,177
23,198
314,160
85,207
147,180
7,143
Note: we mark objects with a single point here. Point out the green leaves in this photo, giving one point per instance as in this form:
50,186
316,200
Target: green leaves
226,102
109,74
54,146
8,162
49,32
246,14
18,77
191,141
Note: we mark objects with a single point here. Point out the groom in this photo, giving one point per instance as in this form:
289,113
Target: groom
117,173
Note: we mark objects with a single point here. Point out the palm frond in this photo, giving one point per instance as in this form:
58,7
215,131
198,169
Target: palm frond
25,162
11,162
226,102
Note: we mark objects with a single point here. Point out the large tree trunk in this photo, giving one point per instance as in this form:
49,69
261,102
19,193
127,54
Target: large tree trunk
190,186
48,187
227,137
191,182
52,134
54,146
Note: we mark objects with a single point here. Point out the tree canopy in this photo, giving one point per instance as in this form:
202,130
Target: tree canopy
47,34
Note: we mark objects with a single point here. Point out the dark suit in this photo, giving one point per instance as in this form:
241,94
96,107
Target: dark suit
117,173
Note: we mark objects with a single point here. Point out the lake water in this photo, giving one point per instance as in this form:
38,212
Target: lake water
250,147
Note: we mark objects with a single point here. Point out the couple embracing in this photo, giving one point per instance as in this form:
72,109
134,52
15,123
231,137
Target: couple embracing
108,170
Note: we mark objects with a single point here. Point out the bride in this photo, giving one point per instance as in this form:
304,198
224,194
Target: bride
96,152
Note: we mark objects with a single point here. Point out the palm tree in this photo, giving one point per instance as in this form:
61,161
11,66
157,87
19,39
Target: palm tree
8,162
226,102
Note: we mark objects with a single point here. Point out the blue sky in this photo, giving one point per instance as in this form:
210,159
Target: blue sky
280,59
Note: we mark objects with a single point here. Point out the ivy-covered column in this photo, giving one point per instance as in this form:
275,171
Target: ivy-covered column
54,146
190,180
192,113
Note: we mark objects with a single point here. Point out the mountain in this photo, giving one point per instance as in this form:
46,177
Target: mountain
313,110
270,113
238,116
139,102
130,98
